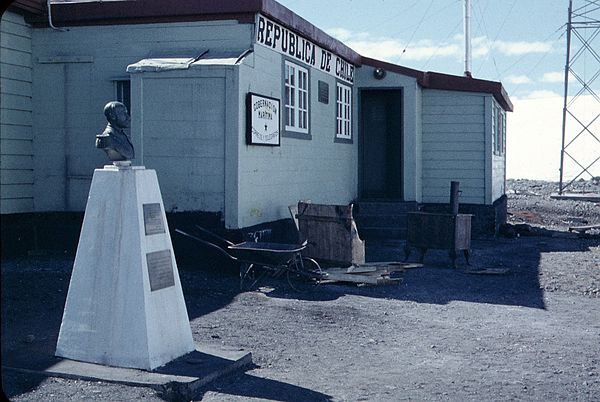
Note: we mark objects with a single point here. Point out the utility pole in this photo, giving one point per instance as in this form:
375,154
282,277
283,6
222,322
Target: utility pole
583,25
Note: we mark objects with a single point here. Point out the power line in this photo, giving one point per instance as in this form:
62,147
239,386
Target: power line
416,29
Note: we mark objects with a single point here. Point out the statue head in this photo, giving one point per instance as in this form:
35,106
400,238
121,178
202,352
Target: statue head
116,114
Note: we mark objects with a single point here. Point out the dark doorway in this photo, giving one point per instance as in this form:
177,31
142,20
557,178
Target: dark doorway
381,144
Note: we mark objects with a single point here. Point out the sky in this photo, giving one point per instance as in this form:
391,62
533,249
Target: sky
521,43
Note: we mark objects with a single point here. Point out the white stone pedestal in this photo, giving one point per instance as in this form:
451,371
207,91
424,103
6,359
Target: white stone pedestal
125,306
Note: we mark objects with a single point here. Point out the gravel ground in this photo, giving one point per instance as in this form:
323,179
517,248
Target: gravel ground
442,334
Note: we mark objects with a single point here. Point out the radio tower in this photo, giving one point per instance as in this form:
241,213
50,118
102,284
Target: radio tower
583,44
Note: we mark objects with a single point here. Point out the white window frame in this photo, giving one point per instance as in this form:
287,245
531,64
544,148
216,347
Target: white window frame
498,129
343,114
123,92
296,98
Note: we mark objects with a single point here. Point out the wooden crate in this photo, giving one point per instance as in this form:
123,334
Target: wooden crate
331,233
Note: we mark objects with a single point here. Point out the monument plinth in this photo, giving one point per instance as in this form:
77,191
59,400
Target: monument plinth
125,306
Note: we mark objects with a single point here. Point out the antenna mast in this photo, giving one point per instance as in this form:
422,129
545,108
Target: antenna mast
467,31
584,26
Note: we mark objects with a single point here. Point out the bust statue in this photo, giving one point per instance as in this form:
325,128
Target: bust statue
114,141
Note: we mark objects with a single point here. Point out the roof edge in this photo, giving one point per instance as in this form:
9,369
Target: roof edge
434,80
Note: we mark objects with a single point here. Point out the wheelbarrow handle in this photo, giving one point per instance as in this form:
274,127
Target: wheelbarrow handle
208,244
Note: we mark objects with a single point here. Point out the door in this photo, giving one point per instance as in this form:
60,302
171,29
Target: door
381,144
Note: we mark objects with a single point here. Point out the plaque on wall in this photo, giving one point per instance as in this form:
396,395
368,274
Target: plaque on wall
153,222
160,270
323,92
262,115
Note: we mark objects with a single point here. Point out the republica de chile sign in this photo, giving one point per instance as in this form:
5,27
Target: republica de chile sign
277,37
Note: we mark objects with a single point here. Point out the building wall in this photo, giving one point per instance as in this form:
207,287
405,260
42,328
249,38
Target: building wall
412,130
179,121
74,75
454,145
16,108
317,169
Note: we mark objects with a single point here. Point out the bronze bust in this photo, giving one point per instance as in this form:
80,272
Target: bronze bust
114,141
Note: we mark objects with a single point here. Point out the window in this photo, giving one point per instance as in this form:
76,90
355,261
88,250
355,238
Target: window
344,112
124,93
498,129
296,98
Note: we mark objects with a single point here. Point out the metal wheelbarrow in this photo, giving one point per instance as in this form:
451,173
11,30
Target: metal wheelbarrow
257,259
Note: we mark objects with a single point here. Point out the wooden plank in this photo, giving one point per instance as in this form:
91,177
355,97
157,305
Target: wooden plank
456,118
355,278
477,182
18,28
457,137
16,191
16,117
488,271
453,165
16,147
8,86
583,229
452,110
431,99
452,128
17,102
459,155
16,162
16,205
15,57
577,197
14,176
435,173
429,146
15,42
16,132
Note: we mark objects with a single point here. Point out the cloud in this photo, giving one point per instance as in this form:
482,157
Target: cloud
554,76
518,79
522,47
392,49
543,94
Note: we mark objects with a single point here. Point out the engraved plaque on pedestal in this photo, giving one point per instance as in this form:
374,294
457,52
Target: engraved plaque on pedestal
153,222
160,270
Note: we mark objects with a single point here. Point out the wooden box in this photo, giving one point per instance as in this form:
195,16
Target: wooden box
331,233
439,231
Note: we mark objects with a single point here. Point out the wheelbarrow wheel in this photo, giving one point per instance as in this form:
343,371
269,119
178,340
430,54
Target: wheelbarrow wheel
304,274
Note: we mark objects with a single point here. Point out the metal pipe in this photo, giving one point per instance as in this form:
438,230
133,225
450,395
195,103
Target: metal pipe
467,32
454,193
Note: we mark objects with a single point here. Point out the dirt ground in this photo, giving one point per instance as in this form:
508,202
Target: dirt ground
441,334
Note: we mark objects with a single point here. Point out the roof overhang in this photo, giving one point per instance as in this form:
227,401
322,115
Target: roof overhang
156,11
433,80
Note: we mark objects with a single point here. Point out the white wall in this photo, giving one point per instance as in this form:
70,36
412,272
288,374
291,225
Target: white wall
180,128
453,145
74,73
319,169
16,134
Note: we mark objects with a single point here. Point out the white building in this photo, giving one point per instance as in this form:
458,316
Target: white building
343,127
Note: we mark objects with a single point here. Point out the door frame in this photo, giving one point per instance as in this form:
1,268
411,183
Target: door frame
361,147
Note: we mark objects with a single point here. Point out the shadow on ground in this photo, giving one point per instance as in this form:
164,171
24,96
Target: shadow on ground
438,283
34,291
